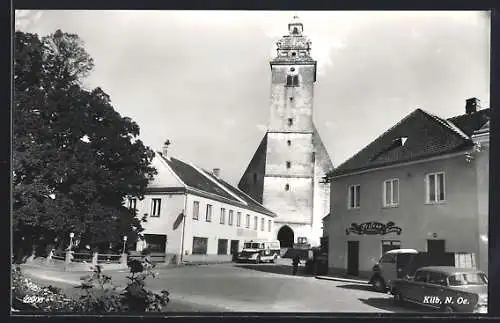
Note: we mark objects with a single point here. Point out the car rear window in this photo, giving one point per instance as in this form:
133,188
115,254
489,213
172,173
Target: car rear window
468,279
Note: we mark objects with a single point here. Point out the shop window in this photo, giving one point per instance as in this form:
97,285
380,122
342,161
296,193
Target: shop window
200,246
196,210
222,247
435,187
156,242
391,193
388,245
354,196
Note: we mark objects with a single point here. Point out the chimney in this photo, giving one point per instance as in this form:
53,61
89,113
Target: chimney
471,105
216,172
164,149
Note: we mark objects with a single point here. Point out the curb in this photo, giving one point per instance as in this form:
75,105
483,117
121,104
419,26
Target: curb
345,280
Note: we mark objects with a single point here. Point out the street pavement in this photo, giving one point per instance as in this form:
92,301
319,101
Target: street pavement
247,288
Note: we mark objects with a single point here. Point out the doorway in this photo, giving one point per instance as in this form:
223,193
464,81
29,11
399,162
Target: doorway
234,246
436,247
286,236
353,258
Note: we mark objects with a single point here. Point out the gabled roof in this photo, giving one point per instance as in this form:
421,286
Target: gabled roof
419,135
199,180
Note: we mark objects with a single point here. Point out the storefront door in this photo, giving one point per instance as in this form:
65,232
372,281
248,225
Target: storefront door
353,258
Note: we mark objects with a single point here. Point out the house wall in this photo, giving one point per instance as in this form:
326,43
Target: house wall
481,160
214,230
172,206
454,220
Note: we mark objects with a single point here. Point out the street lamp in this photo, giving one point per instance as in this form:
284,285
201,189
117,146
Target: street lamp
124,242
71,236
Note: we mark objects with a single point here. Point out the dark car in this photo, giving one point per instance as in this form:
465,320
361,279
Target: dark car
446,288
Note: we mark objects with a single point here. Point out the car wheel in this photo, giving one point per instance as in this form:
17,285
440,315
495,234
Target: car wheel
379,284
257,260
398,298
447,309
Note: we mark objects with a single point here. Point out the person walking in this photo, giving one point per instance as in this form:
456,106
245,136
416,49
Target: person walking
295,264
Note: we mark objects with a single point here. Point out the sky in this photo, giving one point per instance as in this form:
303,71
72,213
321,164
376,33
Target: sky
202,78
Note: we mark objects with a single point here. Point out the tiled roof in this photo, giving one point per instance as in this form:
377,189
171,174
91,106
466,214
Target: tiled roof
202,180
419,135
252,204
469,123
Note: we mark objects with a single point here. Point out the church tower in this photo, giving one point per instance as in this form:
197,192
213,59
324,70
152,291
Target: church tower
286,171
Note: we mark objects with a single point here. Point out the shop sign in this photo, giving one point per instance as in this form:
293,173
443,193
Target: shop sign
373,228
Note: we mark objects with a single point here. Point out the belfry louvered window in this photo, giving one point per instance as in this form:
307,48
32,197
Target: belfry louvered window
292,80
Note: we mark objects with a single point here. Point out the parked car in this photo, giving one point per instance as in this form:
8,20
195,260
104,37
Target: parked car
401,263
446,288
257,252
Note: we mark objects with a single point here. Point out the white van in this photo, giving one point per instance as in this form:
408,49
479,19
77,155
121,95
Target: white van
259,251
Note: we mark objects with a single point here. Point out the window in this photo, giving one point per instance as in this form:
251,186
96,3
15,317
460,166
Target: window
391,192
420,276
289,142
132,204
468,279
437,278
199,246
290,121
388,259
255,223
262,224
388,245
155,207
435,188
156,242
222,215
247,224
302,240
269,225
196,210
222,247
238,219
288,164
354,195
230,218
287,187
208,215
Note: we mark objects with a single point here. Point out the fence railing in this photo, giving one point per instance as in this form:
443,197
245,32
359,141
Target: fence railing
109,258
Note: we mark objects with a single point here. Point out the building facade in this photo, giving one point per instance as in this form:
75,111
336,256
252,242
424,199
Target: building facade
285,173
194,215
420,185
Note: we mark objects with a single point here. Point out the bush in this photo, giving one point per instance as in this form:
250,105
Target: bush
99,294
31,296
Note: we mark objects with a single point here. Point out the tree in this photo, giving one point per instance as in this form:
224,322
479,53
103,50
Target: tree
75,159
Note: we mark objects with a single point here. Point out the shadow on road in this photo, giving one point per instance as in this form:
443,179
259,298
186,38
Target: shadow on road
367,288
388,305
275,269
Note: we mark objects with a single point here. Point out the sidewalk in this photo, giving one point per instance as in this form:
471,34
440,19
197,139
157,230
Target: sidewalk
345,280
